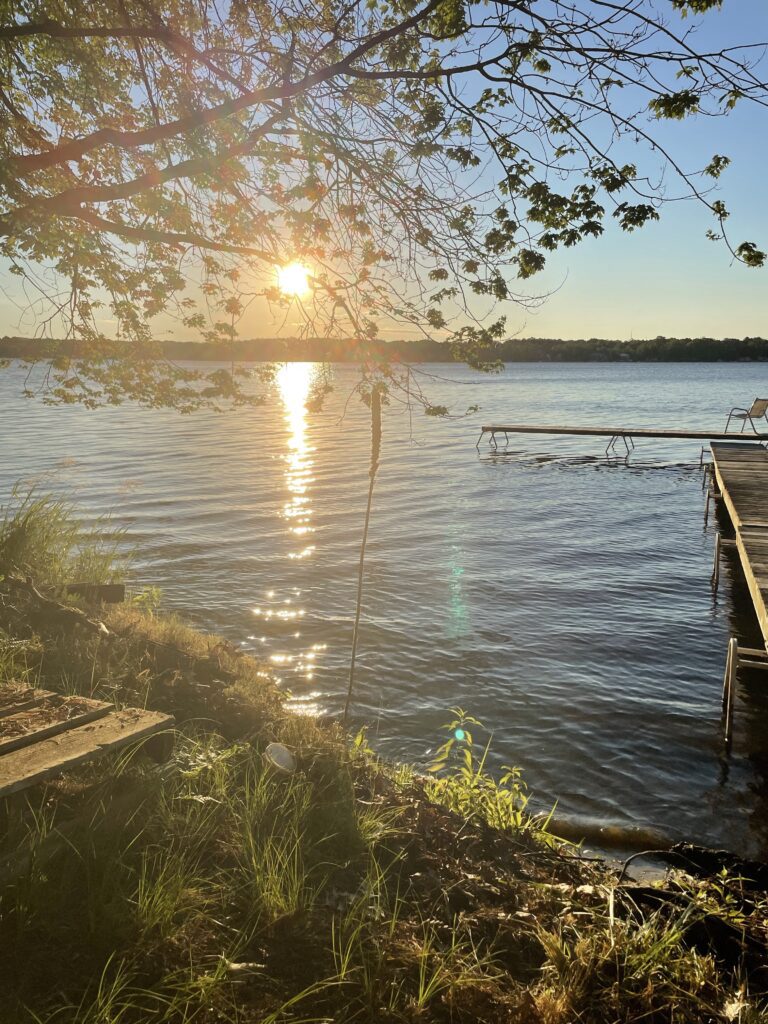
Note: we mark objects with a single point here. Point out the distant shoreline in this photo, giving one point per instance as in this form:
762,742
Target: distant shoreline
514,350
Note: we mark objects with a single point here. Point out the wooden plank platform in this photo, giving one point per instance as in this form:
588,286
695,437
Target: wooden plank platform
43,734
19,698
48,717
741,475
688,435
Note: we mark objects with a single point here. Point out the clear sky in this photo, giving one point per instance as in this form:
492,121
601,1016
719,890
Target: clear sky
665,279
668,278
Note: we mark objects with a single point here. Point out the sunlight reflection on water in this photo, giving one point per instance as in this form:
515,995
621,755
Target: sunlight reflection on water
294,382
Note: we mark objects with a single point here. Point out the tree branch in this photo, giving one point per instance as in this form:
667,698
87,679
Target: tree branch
75,149
146,234
69,202
56,30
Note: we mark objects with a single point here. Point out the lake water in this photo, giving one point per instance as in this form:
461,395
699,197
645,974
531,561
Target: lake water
560,597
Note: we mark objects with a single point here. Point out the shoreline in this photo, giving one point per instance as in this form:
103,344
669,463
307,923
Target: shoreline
512,351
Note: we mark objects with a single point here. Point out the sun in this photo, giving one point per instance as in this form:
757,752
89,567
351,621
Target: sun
294,279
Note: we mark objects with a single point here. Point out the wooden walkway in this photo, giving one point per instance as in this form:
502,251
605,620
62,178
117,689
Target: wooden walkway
616,432
43,733
741,476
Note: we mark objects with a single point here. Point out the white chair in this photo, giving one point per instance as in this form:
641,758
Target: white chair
758,409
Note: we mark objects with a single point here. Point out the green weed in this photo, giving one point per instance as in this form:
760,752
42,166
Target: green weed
42,537
460,780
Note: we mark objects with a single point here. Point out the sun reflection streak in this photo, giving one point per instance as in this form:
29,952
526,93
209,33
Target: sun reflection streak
294,381
279,614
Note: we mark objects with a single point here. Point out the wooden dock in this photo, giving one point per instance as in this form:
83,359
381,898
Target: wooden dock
43,733
741,476
627,434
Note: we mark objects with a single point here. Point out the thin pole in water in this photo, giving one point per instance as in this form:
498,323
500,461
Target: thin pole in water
729,681
375,453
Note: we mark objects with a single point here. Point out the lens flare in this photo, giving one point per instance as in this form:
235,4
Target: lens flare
294,279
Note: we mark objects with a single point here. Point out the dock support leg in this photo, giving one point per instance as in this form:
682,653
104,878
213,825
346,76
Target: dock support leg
712,495
482,435
729,681
716,566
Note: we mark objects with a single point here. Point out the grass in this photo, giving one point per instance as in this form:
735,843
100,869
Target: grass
211,888
41,536
597,972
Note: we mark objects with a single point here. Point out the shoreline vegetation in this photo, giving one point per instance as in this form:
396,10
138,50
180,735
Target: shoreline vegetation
426,350
211,887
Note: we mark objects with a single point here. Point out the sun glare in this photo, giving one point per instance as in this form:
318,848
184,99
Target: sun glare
293,279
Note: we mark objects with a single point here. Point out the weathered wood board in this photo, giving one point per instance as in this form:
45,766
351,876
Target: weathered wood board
18,698
108,593
49,756
48,716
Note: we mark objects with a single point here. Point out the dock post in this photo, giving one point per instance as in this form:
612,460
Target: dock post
716,566
724,700
729,681
712,494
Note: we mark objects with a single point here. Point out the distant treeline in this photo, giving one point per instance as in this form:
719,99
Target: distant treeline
514,350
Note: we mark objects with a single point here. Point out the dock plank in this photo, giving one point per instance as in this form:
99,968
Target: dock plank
57,713
20,698
34,764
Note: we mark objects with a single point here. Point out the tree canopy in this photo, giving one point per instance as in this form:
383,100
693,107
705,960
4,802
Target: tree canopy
165,156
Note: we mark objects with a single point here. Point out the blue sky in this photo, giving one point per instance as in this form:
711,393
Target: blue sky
665,279
668,278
